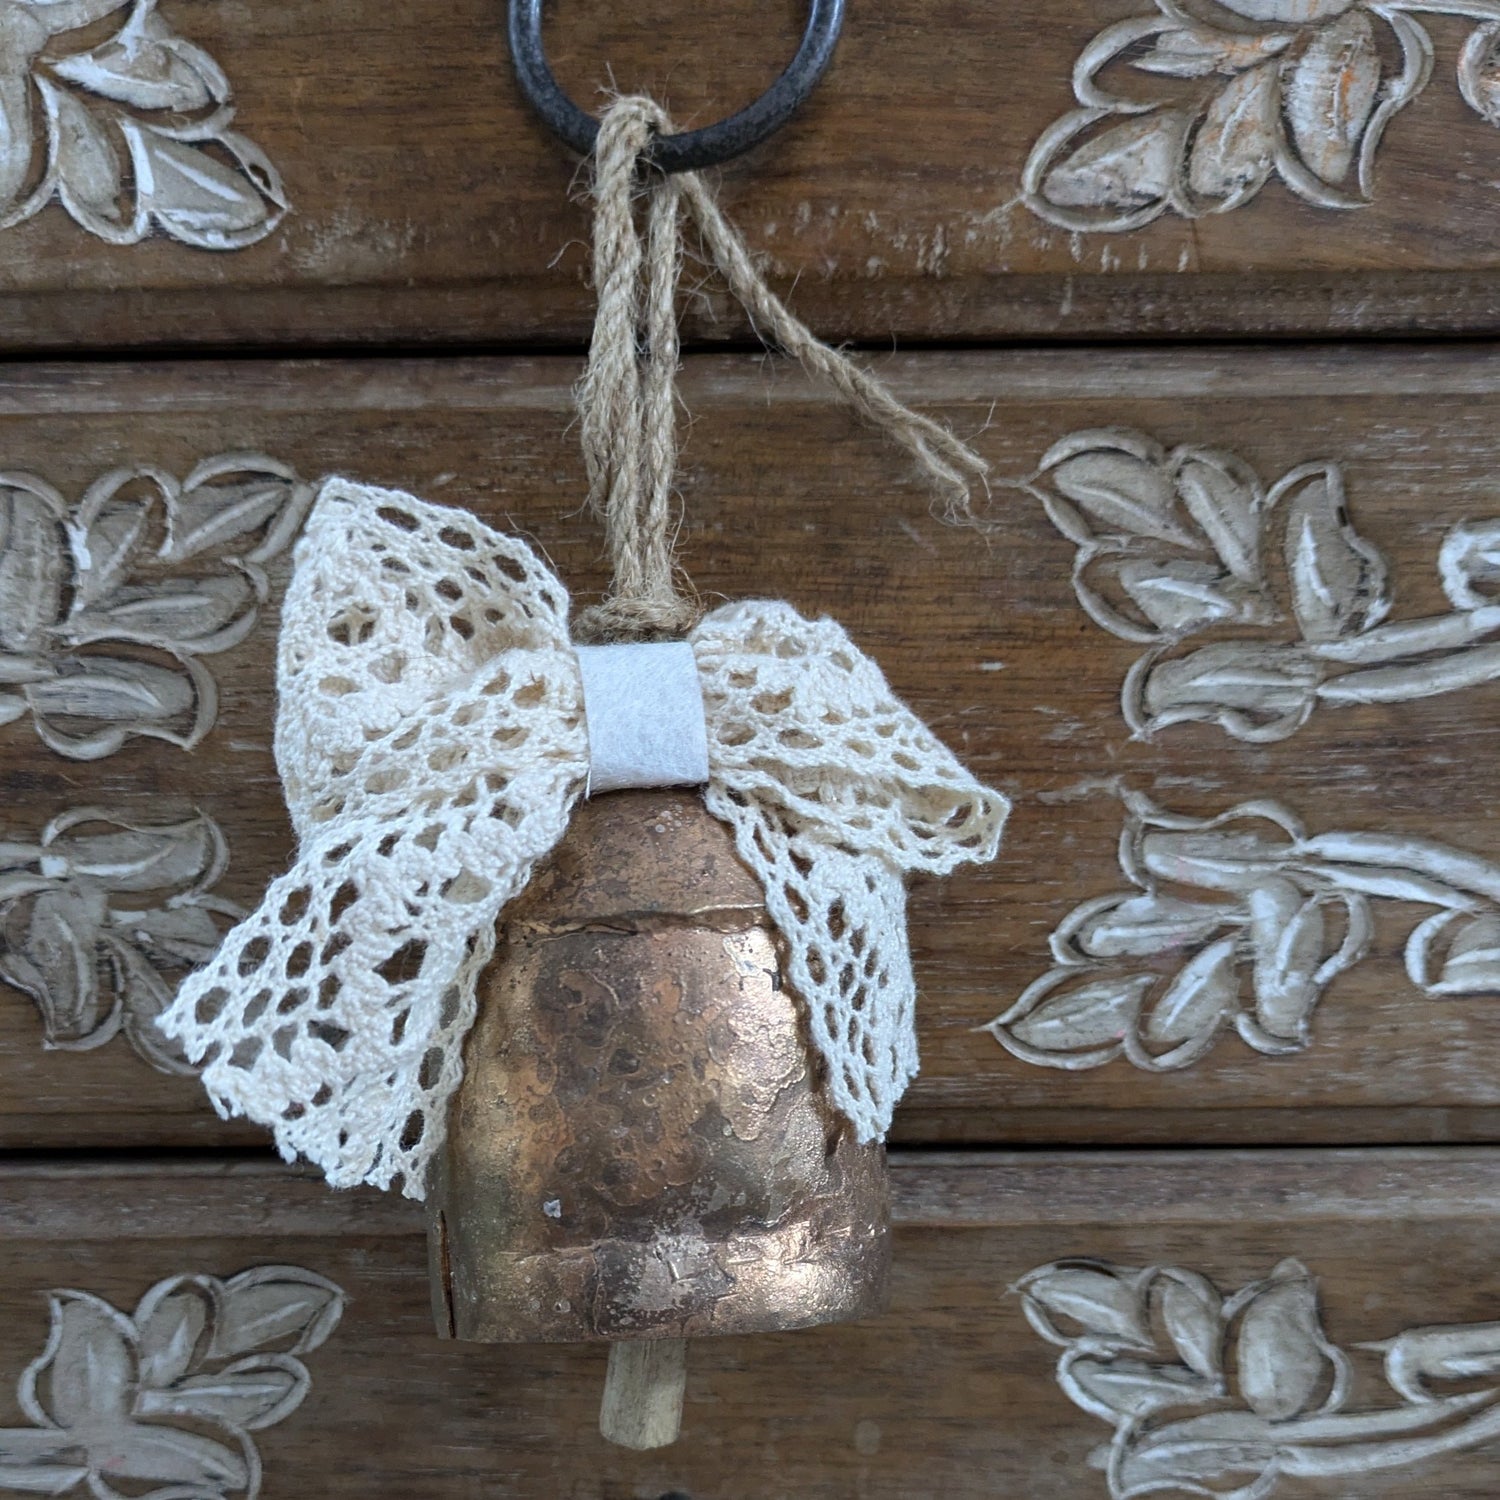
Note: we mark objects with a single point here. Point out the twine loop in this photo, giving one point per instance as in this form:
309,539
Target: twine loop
627,398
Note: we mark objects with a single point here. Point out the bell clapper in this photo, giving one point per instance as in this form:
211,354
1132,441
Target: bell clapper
643,1389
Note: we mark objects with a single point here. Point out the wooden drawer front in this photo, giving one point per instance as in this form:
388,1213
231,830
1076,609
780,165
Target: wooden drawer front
1320,1323
356,171
1266,912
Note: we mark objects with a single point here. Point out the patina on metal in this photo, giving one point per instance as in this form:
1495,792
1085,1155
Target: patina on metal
640,1147
689,150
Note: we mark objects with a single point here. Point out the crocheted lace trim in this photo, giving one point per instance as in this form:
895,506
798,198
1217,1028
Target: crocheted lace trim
432,743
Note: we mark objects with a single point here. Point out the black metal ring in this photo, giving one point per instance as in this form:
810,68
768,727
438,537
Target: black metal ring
690,150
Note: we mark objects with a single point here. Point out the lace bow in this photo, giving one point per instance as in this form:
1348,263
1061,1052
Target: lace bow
431,738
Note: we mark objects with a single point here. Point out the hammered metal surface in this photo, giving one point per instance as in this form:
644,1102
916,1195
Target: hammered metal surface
640,1147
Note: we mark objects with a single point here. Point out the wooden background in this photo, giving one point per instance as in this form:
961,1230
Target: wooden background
429,205
981,633
950,1393
416,321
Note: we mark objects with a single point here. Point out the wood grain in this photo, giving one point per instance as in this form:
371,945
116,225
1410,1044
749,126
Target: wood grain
786,496
428,205
949,1393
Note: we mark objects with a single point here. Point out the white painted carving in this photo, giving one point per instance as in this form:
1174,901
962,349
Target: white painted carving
1242,922
169,1396
127,132
1177,544
1194,107
101,916
108,606
1228,1396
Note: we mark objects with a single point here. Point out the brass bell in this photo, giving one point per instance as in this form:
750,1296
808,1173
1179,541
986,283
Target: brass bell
640,1151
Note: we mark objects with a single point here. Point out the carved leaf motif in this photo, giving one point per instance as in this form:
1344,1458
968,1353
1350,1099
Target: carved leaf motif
1256,692
1472,966
1198,51
146,65
1233,853
1200,999
1235,146
1453,953
31,562
17,671
165,98
186,935
135,858
1170,545
1338,579
1137,926
15,136
188,615
1130,1388
1292,962
1287,1415
1469,565
232,500
1098,1014
101,687
90,174
146,1453
87,1373
174,1322
145,995
1286,1365
1198,1456
1423,1355
1331,93
106,538
1249,894
39,1461
108,1393
1310,92
91,969
1288,12
17,883
251,1393
258,169
54,960
1123,493
1479,71
113,560
281,1306
214,517
1128,167
1105,1303
1181,595
1223,496
199,198
129,697
1193,1318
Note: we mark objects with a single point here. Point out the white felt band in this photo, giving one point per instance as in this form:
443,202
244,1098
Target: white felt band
644,706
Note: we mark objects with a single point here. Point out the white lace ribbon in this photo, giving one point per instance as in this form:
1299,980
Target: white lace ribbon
432,742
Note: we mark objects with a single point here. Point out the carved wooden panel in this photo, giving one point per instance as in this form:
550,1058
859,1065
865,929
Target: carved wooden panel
1238,1392
1084,1327
328,173
1228,639
171,1394
125,124
1192,108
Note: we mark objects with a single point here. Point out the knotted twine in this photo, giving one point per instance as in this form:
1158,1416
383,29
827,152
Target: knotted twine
627,398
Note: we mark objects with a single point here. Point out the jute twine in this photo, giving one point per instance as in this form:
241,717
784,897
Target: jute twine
627,398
